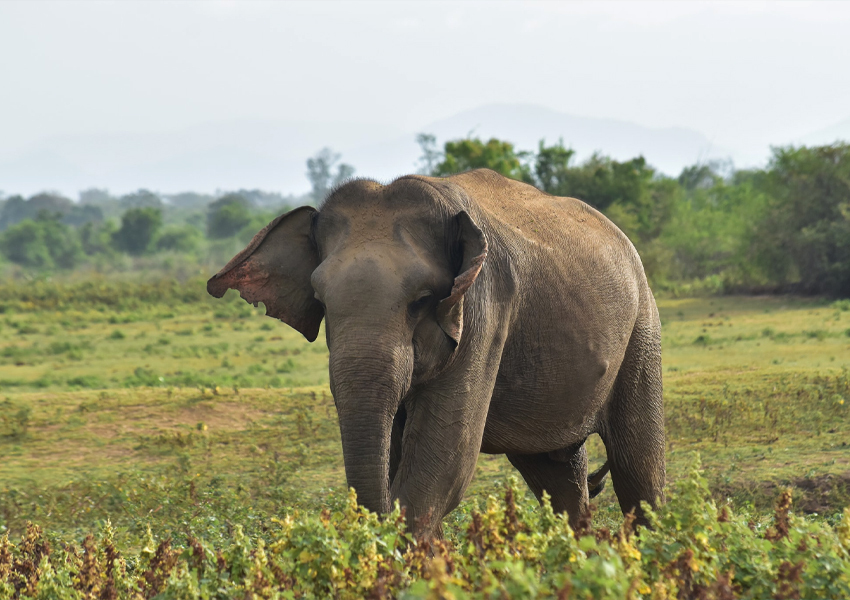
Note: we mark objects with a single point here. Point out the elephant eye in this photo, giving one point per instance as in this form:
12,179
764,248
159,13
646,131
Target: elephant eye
418,305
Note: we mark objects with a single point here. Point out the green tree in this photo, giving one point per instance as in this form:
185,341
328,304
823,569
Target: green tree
710,231
175,238
139,227
320,172
601,181
552,168
430,156
472,153
227,216
699,176
97,238
804,237
16,209
141,199
43,243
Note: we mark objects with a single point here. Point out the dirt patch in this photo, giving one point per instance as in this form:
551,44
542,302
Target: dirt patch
820,494
220,416
824,493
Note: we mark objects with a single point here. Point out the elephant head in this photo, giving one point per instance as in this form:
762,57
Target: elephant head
388,268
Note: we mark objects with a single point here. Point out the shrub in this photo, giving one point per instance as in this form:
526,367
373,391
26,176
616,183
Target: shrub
506,548
227,216
45,243
14,419
179,239
139,226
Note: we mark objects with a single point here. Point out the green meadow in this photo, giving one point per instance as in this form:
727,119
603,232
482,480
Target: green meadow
149,404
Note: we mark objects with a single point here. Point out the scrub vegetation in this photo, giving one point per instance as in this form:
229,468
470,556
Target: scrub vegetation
711,229
161,440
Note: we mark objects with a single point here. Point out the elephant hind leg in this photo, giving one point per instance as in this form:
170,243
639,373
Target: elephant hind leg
596,480
633,428
564,478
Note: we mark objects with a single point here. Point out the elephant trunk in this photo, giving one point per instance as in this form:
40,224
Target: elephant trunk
367,395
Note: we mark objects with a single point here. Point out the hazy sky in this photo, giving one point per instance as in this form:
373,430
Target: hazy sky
744,74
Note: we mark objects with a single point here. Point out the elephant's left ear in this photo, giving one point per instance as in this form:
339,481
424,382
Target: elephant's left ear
473,247
275,269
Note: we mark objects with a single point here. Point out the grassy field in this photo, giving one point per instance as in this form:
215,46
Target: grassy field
153,405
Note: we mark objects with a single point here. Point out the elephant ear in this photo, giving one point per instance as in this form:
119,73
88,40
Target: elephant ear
472,246
275,269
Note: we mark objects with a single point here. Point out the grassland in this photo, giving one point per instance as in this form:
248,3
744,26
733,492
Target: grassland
152,404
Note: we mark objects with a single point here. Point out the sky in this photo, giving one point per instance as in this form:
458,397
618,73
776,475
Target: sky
744,74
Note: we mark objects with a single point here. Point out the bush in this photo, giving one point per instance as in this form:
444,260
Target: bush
227,216
179,239
14,419
139,226
507,548
44,243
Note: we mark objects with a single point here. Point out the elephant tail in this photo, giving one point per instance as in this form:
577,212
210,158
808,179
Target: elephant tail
596,480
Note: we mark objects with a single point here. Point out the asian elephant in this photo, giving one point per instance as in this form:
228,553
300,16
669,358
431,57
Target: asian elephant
464,314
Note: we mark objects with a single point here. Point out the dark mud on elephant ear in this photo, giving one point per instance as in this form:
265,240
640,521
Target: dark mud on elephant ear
275,269
472,246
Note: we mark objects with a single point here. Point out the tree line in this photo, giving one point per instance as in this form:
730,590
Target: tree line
782,228
711,229
48,232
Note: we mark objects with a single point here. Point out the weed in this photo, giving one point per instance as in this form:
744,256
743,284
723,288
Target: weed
842,305
86,381
14,419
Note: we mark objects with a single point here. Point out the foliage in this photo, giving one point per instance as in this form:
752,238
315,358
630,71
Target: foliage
430,155
508,548
320,172
174,238
44,243
784,228
139,226
712,229
808,218
141,199
144,403
227,216
16,209
96,238
473,153
135,392
552,168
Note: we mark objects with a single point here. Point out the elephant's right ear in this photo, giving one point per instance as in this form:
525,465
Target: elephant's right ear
275,269
472,245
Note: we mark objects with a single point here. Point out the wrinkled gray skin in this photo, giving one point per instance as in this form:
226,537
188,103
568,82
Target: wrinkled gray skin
466,314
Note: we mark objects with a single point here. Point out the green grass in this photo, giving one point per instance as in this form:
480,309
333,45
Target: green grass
199,343
150,404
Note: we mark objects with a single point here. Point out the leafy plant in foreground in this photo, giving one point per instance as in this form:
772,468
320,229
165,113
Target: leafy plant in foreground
507,549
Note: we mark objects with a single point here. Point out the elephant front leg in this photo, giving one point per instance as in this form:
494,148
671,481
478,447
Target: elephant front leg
439,453
395,441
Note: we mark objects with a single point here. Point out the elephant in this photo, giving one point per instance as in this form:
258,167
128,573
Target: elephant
466,314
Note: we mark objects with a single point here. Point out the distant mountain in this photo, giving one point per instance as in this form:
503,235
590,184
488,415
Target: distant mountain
271,154
219,155
668,149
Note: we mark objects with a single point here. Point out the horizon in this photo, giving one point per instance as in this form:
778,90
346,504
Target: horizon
108,94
